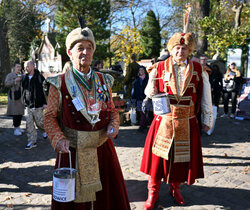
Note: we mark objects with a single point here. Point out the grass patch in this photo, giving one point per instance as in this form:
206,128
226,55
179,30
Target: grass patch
3,98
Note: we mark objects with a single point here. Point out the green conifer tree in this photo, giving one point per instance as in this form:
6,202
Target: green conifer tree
95,14
150,36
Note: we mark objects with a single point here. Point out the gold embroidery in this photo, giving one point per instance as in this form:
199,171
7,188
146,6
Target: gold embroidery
196,74
191,85
174,128
87,177
182,99
188,76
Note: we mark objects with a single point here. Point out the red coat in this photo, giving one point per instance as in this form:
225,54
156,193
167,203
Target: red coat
73,119
158,167
113,195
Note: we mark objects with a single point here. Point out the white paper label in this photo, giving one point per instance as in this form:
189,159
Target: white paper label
78,104
63,189
166,77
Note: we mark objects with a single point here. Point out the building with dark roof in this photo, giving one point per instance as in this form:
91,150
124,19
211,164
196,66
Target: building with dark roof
49,60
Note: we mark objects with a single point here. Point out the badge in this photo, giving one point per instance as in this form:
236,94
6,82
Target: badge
99,90
78,104
166,77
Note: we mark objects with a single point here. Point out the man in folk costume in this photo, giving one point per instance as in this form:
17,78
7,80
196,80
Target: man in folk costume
172,149
81,117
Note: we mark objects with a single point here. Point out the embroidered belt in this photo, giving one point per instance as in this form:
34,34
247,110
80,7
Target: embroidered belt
174,131
87,177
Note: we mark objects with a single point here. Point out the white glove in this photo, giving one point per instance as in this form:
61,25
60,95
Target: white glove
150,89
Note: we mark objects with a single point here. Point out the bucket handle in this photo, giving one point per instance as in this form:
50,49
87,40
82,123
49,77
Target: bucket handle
59,161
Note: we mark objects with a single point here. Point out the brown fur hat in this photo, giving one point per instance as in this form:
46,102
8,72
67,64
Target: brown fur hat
182,38
79,34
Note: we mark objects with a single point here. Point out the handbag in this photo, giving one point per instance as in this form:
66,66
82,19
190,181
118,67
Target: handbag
133,116
229,86
17,94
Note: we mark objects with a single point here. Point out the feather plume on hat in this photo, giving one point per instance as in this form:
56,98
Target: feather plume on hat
183,38
186,18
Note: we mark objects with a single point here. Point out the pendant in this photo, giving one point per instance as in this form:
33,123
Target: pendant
99,90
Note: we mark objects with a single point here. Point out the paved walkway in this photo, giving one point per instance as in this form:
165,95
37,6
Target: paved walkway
25,176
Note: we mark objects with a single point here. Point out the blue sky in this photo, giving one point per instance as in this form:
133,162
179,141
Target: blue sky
157,6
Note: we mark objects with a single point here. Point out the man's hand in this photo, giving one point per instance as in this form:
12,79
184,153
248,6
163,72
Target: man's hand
111,132
18,79
63,146
205,128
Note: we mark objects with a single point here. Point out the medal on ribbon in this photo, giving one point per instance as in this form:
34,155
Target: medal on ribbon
73,90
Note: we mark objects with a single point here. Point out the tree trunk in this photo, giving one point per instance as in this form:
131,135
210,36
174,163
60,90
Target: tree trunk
237,11
4,53
203,11
109,49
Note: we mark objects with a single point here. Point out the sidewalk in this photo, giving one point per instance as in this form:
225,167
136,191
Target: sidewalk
26,175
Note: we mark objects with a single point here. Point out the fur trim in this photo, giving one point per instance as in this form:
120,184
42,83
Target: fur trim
182,38
79,34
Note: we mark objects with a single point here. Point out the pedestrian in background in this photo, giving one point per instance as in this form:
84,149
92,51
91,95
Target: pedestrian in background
215,81
81,117
66,67
216,84
138,96
97,65
172,150
231,88
15,108
131,75
164,56
205,66
35,102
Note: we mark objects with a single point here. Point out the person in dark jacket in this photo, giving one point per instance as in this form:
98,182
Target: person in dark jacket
231,88
216,85
131,75
138,95
35,102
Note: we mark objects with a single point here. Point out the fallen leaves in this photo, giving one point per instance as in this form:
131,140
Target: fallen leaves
9,205
207,160
8,198
215,172
245,171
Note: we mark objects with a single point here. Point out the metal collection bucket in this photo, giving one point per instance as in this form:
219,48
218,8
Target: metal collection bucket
161,104
64,182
